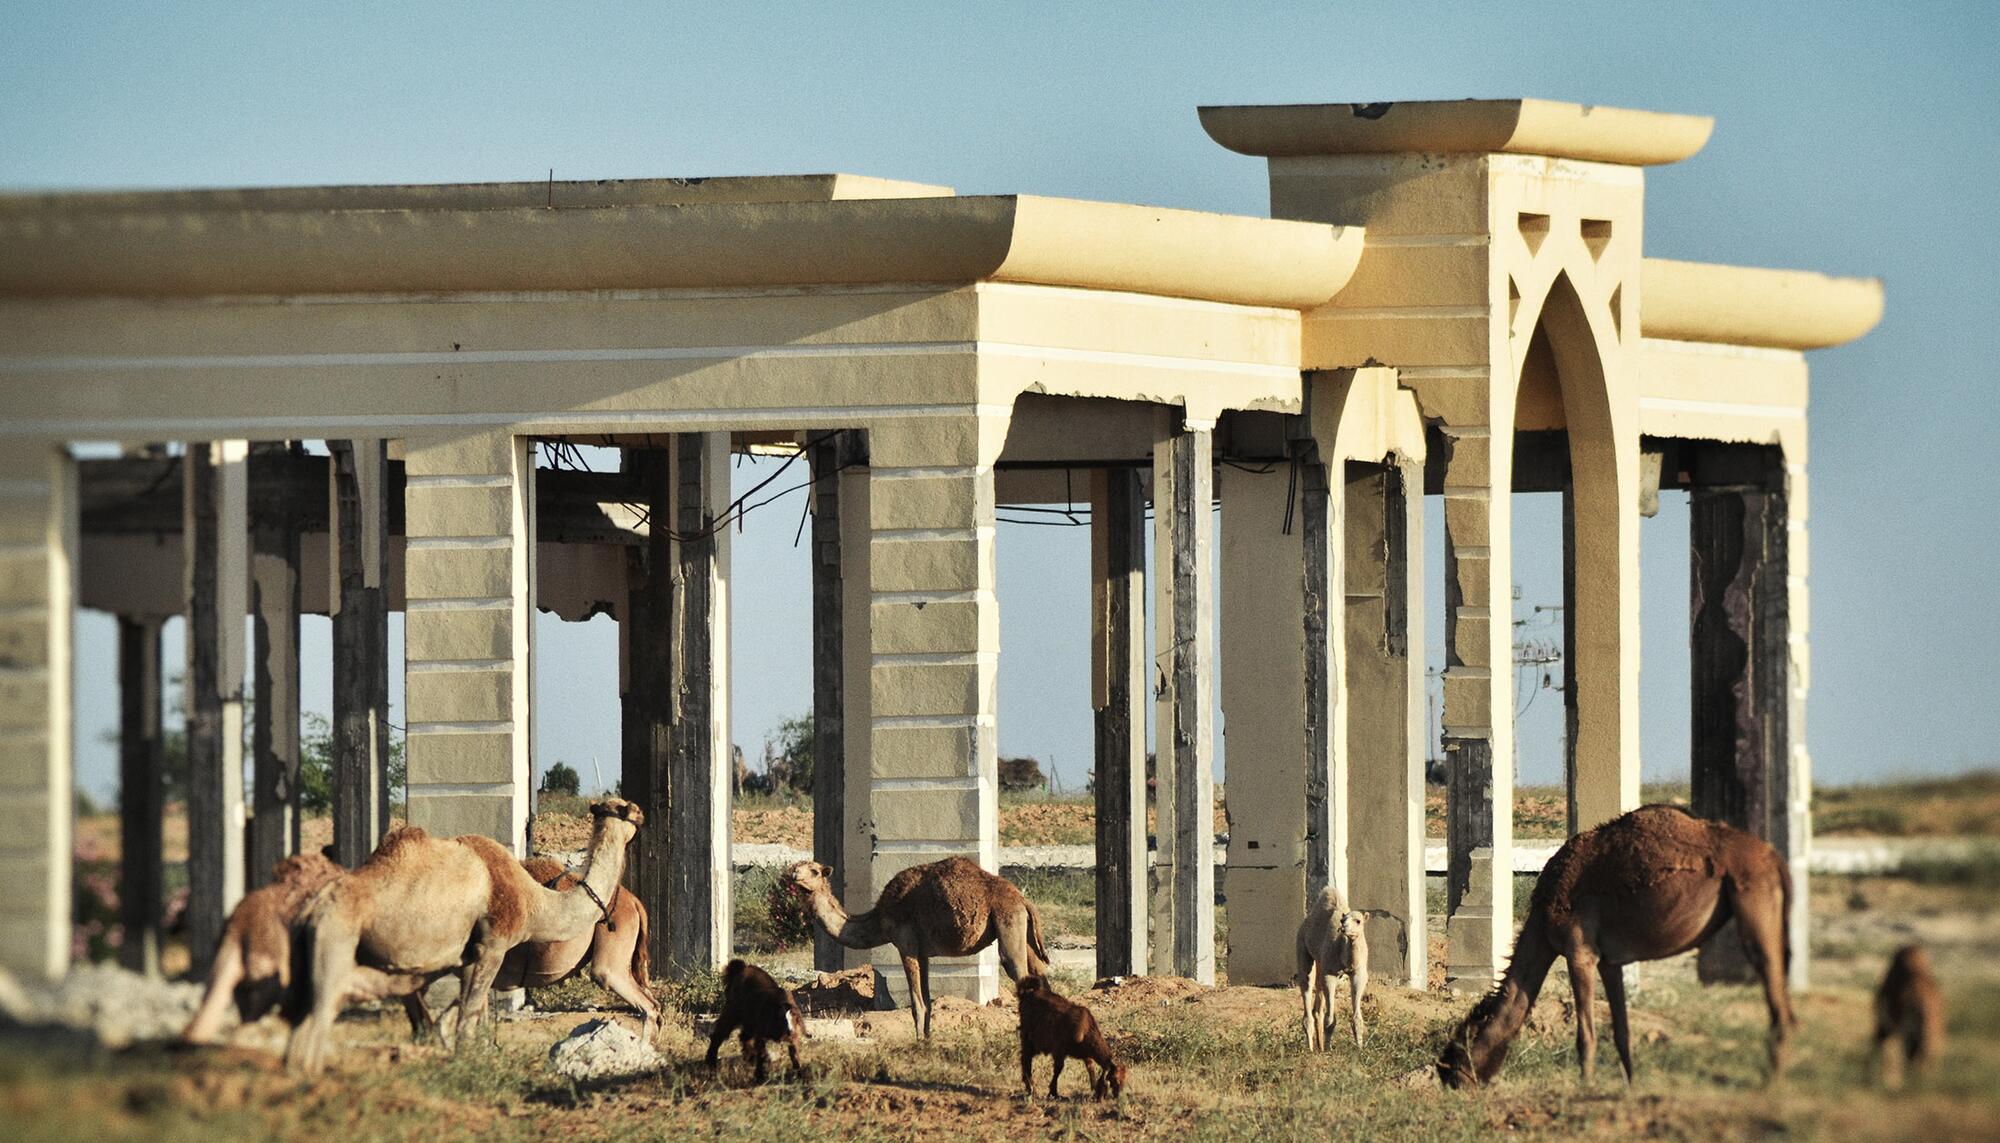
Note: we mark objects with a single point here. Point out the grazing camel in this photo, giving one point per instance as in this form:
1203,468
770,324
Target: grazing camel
1330,943
947,908
421,907
1062,1029
1653,883
252,965
1909,1015
761,1012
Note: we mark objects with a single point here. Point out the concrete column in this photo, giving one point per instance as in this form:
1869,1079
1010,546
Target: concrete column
698,926
935,635
274,737
829,454
1118,688
216,539
1384,695
1184,920
1478,709
646,698
469,587
1743,677
1285,840
38,551
358,565
141,793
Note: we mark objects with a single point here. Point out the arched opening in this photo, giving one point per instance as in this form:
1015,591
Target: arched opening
1563,396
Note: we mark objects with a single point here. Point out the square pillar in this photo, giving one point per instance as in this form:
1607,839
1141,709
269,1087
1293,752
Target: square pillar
1184,913
469,606
1118,689
1384,688
831,455
857,652
274,737
1285,838
935,639
1478,709
1744,675
358,565
141,794
38,553
698,926
216,535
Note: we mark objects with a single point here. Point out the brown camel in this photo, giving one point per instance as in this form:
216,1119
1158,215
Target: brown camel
1909,1015
253,961
1653,883
421,907
947,908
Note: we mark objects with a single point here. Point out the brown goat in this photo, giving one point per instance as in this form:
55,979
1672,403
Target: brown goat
1059,1028
1909,1015
760,1010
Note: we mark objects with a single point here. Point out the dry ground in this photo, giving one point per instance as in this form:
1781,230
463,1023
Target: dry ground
1206,1063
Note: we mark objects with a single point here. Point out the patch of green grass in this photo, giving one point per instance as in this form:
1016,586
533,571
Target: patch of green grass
1979,871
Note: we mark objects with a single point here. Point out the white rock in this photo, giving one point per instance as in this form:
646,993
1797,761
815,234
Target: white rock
601,1050
119,1007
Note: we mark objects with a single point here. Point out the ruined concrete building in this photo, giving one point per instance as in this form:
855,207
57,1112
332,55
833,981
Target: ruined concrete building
1450,304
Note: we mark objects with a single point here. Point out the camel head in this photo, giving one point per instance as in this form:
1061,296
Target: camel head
1111,1082
1477,1047
809,877
1032,984
619,810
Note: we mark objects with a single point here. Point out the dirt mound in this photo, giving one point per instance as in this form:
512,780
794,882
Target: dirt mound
1135,990
850,991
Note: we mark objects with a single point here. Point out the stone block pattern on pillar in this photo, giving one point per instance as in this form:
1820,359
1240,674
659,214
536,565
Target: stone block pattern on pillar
38,549
935,638
468,615
1269,716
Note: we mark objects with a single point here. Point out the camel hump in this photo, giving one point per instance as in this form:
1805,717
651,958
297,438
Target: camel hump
397,842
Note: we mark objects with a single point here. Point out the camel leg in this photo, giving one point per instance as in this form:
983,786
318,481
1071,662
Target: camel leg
1028,1070
206,1027
478,989
1760,924
1055,1076
914,977
792,1049
1586,1016
618,978
756,1056
1305,1007
423,1027
930,1008
1621,1024
332,963
1357,983
716,1038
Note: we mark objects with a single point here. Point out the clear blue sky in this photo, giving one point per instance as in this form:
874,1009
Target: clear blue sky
1851,139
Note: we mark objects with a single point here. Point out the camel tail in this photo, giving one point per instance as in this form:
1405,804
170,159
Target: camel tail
1035,944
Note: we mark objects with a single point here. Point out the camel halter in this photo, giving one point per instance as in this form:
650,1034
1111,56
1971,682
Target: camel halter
609,924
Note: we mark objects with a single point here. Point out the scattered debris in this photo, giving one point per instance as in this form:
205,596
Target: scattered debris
852,990
601,1050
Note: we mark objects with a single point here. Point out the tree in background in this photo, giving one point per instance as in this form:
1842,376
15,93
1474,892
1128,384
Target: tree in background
788,754
559,778
316,767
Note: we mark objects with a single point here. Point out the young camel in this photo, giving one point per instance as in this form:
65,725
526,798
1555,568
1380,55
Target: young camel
252,965
421,907
1653,883
1909,1015
1330,943
947,908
